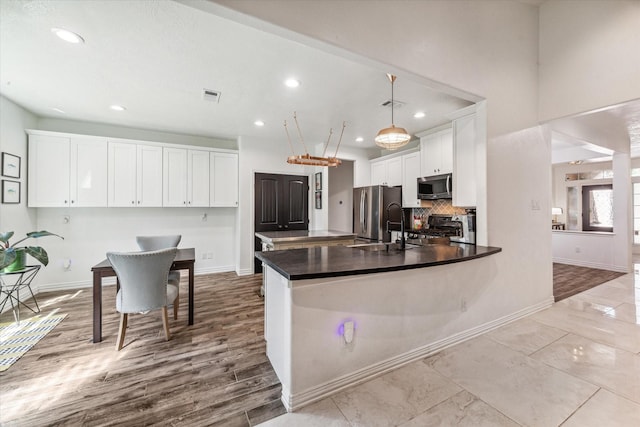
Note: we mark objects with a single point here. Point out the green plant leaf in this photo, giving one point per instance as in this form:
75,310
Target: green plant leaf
38,253
36,234
7,256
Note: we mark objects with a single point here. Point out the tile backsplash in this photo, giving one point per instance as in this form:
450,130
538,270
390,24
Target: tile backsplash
442,207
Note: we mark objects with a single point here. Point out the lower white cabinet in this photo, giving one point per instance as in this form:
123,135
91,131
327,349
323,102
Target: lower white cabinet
224,179
67,171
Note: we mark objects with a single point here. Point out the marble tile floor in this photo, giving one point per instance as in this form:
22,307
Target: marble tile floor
574,364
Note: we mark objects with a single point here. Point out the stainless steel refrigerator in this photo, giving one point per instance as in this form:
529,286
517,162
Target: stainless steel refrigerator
370,211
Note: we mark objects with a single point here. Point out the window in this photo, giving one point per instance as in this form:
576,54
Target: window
597,208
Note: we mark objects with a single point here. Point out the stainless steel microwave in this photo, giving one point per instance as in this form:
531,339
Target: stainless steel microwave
435,187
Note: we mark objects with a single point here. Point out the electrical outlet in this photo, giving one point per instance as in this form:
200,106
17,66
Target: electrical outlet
204,255
209,255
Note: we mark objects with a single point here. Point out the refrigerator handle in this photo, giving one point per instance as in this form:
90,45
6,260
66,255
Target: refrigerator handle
363,206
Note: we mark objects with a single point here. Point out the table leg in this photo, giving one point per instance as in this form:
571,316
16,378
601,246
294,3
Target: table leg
97,307
191,289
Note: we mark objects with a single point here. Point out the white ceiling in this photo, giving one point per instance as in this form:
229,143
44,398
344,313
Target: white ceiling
156,57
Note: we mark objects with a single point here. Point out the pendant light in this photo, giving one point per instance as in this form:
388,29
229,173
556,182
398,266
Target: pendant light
392,138
306,158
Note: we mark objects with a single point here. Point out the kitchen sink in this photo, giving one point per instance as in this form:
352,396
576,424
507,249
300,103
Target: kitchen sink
386,247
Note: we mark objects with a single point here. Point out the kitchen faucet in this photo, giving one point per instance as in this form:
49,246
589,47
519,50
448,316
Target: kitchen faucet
402,226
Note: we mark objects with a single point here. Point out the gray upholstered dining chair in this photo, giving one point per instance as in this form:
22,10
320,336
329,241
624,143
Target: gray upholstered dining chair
143,285
153,243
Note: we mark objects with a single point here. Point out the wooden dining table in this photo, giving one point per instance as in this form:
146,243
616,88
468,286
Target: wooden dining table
184,260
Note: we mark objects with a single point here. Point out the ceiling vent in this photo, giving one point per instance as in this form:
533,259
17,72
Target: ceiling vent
211,95
396,103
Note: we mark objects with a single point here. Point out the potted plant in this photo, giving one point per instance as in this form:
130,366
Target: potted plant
12,258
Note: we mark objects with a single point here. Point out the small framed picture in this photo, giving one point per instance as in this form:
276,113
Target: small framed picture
318,181
10,191
10,165
318,199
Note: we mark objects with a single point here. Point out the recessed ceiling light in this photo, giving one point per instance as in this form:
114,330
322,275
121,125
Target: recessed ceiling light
57,110
419,115
68,36
359,139
258,123
117,107
292,83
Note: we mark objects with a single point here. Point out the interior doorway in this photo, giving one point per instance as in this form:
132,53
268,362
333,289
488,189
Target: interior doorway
281,203
340,201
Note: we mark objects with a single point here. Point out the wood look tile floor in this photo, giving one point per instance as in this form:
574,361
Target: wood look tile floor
569,280
214,373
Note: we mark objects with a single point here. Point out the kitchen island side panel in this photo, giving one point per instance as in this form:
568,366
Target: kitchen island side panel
399,317
278,324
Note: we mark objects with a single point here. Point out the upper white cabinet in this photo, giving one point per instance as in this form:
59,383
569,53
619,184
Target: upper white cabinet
437,153
410,174
185,177
387,171
135,175
464,154
67,171
198,180
224,179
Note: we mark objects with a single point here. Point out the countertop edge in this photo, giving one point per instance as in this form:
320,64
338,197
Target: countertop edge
323,275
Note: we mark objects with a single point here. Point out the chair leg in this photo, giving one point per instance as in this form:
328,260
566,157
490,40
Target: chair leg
121,331
176,303
165,322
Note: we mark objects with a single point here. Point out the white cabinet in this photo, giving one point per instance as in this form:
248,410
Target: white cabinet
185,177
67,172
387,171
437,153
198,179
174,177
135,175
223,179
410,174
464,168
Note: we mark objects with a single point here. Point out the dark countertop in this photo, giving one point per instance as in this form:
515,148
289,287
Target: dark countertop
302,235
335,261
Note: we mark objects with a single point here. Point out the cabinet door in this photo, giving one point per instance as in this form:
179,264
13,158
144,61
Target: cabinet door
122,175
464,178
446,151
198,179
49,162
88,173
149,176
174,177
394,171
224,179
378,173
430,155
411,173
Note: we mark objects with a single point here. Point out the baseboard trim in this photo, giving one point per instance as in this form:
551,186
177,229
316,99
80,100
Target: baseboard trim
600,266
293,402
244,271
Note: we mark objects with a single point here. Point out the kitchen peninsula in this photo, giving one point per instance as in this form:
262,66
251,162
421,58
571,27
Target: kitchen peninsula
295,239
335,316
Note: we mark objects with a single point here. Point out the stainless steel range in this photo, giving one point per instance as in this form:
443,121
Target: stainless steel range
458,228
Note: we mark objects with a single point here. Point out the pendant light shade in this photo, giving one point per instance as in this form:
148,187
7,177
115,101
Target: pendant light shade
392,138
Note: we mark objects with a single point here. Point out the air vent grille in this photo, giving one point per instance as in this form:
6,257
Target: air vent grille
211,95
396,103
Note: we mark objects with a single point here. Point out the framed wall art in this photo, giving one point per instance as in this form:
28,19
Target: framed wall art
10,191
10,165
318,199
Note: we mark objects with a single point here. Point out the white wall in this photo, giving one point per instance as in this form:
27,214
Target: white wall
340,197
13,140
588,55
92,232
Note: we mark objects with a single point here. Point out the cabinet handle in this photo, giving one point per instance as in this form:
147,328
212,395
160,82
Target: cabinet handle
133,203
280,227
286,226
138,201
73,201
65,202
189,201
184,203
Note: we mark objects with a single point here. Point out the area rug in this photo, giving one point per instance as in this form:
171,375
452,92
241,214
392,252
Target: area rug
16,339
569,280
